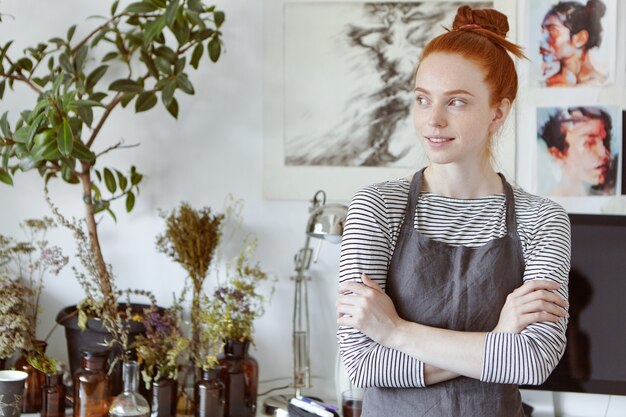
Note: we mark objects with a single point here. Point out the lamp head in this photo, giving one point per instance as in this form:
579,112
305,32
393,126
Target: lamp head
327,221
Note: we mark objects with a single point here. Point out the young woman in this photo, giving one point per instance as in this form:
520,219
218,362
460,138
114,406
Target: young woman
453,284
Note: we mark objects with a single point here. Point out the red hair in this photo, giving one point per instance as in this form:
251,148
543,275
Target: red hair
479,35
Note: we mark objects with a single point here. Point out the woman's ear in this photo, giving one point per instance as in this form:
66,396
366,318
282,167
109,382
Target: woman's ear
501,112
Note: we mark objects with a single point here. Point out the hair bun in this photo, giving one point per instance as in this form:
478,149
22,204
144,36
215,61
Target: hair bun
488,19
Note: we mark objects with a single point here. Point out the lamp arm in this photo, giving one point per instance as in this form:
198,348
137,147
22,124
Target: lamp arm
301,328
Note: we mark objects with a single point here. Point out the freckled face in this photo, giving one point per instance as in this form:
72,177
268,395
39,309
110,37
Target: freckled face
452,112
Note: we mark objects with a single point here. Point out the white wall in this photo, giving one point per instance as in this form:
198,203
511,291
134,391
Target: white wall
214,148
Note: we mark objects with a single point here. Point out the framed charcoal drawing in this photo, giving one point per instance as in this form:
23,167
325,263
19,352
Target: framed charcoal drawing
338,96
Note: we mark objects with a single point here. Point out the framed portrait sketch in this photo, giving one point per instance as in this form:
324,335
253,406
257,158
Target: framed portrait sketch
572,43
338,92
579,150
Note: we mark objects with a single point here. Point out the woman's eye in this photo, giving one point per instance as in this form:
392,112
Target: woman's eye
457,103
422,101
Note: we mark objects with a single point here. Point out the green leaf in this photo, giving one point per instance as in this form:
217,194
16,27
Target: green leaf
70,33
112,214
173,108
153,29
3,84
49,152
219,18
5,157
65,63
163,65
140,7
95,76
184,84
109,181
98,175
33,128
82,152
135,178
203,34
99,96
96,192
170,12
109,56
167,53
81,55
145,101
121,180
28,162
130,201
127,98
26,64
5,177
67,170
4,126
168,92
215,48
180,65
128,86
88,103
86,114
21,134
195,5
158,3
65,139
114,7
181,30
147,59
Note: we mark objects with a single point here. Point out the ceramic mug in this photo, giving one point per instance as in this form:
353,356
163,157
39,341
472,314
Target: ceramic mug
11,391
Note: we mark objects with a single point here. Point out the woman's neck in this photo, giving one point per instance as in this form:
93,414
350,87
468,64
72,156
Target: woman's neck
451,181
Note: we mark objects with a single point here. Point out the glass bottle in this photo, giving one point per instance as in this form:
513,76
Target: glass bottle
240,374
92,392
53,396
130,402
31,399
209,394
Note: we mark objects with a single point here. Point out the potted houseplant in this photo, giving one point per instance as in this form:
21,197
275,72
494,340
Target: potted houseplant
158,351
153,43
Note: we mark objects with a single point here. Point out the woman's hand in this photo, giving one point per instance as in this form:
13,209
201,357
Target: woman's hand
368,309
533,302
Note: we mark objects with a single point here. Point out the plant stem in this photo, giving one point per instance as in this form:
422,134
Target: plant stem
92,229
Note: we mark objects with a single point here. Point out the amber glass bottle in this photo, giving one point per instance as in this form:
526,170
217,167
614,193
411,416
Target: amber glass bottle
240,375
31,399
92,392
53,396
209,394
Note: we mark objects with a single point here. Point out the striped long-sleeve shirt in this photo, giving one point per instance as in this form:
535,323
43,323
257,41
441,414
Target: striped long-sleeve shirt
370,235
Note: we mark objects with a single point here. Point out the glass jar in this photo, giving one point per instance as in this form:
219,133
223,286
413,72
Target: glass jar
130,402
209,394
92,392
53,396
31,399
240,375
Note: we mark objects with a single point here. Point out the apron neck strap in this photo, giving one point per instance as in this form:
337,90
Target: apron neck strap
416,186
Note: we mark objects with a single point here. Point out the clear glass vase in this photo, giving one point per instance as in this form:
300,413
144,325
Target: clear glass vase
130,402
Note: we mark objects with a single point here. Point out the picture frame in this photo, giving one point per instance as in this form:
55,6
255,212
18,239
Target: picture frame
321,118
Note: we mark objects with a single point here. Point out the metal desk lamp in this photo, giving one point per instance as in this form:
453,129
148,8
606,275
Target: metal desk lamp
325,222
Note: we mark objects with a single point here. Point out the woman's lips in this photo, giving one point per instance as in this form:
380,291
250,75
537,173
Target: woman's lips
439,139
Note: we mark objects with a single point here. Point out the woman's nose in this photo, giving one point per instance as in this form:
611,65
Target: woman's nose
437,117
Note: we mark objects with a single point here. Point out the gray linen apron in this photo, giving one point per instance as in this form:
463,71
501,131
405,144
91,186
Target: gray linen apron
457,288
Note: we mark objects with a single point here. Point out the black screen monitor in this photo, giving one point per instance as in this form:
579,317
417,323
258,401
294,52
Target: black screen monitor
595,358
